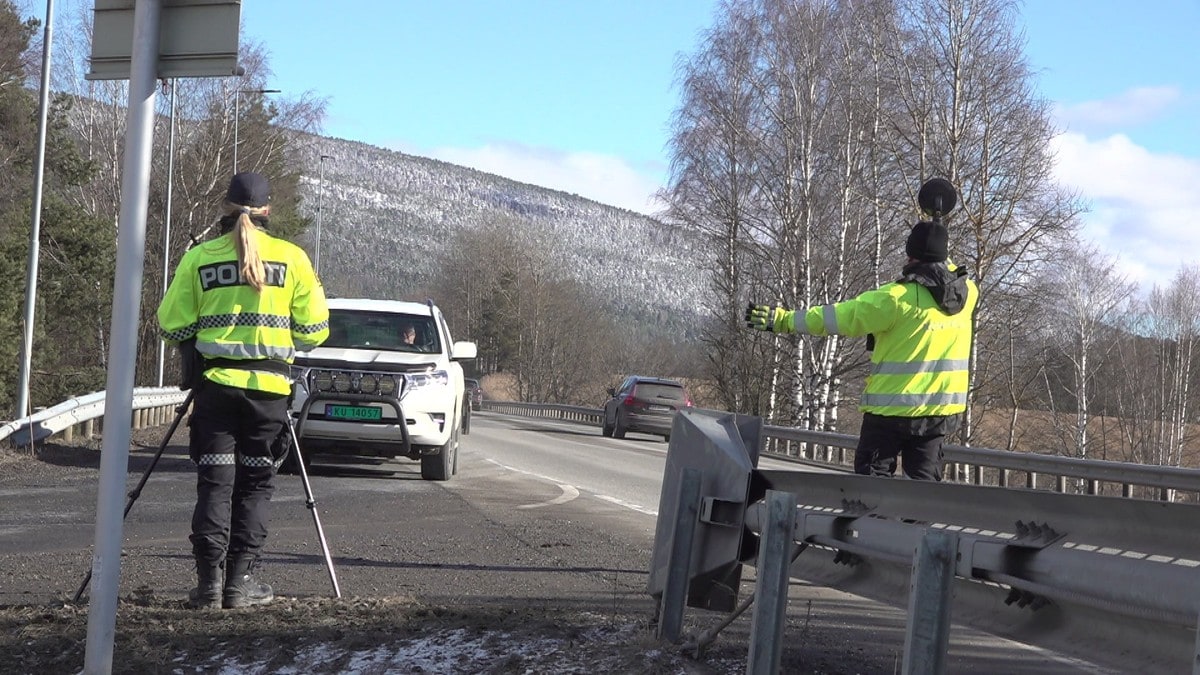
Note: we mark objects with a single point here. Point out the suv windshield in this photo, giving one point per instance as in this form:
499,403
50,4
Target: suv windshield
357,329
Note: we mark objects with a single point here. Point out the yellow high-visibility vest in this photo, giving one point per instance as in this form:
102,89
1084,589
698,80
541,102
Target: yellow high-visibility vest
210,301
919,367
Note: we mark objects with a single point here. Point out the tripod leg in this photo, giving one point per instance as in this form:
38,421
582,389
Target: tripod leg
137,491
312,506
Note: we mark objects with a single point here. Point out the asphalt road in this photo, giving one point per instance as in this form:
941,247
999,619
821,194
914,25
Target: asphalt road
540,512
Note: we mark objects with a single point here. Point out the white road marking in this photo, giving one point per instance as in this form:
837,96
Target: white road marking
570,490
634,507
569,493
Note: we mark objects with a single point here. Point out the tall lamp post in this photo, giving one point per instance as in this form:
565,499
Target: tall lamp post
320,212
166,270
237,114
31,273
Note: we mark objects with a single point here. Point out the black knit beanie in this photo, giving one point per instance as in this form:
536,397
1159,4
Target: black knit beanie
928,242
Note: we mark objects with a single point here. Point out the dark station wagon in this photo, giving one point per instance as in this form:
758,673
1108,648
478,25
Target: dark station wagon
643,404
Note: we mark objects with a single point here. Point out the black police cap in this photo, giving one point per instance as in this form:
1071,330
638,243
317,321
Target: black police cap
249,189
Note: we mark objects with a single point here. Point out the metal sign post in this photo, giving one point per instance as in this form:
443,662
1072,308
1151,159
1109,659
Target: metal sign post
178,43
118,402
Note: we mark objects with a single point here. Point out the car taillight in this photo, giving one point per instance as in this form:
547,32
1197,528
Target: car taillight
630,399
688,402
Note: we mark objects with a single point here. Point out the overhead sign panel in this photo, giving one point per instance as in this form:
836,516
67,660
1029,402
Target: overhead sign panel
197,38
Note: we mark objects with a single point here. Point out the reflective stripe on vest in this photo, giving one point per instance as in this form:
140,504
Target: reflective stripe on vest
915,368
829,316
236,350
914,400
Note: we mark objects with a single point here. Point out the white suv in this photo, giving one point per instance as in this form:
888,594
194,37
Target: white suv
371,391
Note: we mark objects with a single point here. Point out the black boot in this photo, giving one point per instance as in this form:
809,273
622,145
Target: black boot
241,588
207,593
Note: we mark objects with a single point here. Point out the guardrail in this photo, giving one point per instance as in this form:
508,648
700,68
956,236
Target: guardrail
1099,577
83,415
567,413
977,466
153,406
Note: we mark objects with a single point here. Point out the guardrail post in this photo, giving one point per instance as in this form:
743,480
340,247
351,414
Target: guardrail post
1196,656
929,603
674,597
771,589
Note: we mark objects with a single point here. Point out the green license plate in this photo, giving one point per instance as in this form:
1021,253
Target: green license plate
353,412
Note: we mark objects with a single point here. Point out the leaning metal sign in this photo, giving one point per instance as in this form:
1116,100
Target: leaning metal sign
197,38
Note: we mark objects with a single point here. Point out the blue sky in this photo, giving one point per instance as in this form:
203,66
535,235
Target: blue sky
577,95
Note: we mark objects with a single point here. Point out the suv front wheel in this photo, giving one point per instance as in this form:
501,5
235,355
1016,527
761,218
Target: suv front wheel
445,463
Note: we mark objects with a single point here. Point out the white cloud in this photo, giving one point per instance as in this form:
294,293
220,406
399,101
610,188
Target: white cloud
1145,207
603,178
1130,108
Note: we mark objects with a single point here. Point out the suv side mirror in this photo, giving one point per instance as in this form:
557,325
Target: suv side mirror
612,392
463,350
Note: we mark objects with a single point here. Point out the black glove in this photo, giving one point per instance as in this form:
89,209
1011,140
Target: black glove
281,446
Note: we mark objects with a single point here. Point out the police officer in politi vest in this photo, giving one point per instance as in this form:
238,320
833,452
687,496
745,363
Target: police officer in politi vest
922,330
247,300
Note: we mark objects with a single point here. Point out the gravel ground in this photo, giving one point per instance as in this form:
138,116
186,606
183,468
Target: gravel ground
512,591
155,633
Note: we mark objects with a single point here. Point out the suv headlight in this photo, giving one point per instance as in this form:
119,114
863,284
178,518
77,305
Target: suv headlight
429,378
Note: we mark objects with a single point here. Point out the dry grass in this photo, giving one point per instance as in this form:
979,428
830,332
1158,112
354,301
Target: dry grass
320,635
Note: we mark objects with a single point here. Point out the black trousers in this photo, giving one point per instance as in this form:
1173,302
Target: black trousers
235,436
916,441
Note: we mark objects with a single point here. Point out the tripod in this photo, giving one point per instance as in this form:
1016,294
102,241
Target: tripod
311,505
309,501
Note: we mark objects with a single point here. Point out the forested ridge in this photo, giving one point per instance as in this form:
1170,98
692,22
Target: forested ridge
390,218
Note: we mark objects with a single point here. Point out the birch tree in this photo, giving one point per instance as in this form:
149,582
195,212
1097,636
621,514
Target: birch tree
1172,320
713,190
821,120
1085,298
971,114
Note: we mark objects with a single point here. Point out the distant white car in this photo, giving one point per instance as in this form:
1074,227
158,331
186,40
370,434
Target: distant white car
369,391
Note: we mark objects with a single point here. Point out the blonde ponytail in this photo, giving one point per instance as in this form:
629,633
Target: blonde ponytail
253,270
